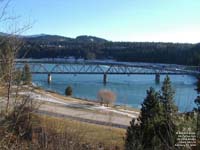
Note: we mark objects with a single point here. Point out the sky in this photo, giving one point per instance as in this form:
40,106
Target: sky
115,20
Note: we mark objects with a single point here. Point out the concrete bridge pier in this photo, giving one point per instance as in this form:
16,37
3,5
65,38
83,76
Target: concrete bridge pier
157,78
104,78
49,78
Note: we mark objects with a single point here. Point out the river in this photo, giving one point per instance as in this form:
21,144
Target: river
130,90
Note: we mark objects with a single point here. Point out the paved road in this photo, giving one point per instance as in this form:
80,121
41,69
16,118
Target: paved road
42,112
59,106
100,117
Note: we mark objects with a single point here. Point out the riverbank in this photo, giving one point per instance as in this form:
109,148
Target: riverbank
81,100
54,104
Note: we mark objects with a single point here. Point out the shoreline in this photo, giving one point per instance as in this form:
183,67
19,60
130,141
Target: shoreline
52,103
58,95
80,109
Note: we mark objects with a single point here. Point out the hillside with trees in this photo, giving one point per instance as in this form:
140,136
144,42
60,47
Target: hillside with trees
89,47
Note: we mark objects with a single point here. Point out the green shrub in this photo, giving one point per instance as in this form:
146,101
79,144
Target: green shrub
68,91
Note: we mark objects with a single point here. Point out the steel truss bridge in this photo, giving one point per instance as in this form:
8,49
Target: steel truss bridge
66,67
105,68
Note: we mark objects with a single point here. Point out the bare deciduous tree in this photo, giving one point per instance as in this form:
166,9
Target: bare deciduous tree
8,51
16,109
3,7
106,97
9,47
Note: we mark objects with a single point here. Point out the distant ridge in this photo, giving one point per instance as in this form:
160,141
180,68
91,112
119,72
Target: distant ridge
58,38
79,39
36,35
3,34
46,37
91,47
85,38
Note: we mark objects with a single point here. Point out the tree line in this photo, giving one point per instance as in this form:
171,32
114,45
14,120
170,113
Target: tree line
172,53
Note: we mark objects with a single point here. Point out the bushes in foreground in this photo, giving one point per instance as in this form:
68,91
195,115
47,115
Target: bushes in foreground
49,133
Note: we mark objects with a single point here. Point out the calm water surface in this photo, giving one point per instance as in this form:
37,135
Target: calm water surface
130,90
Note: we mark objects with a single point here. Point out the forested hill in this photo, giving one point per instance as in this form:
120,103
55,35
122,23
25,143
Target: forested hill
89,47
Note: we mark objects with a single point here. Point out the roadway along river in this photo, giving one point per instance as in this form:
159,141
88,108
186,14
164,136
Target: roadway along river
130,90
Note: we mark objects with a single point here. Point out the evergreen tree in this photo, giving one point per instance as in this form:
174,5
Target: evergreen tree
144,135
167,97
18,77
134,136
197,102
150,118
156,129
198,85
167,128
27,77
68,91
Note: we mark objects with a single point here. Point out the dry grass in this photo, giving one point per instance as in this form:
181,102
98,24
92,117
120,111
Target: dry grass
50,133
60,132
124,107
66,98
89,133
3,91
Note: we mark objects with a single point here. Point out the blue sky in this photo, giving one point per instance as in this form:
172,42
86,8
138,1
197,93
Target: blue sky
116,20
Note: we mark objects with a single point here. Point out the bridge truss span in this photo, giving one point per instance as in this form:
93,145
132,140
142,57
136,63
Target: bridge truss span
105,68
73,68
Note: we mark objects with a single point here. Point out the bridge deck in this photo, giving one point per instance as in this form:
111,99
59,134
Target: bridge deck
102,67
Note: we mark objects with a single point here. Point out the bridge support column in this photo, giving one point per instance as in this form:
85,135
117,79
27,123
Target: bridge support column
105,78
157,78
49,78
